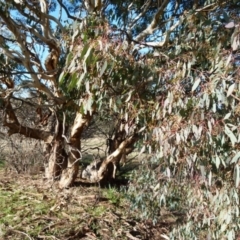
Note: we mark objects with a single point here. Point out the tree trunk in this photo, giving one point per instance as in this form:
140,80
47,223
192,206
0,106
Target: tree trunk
108,167
57,159
70,173
119,136
104,171
120,145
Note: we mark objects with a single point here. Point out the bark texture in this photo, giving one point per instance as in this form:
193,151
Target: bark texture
70,173
119,145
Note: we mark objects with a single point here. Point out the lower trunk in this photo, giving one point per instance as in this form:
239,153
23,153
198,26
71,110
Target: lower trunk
104,171
70,173
118,137
108,168
57,159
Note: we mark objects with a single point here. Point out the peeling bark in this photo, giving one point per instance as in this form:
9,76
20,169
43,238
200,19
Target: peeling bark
105,171
120,145
70,173
123,128
115,156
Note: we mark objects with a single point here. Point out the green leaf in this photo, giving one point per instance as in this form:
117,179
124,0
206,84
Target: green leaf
85,48
88,55
230,235
104,67
237,175
129,96
227,116
61,77
184,70
79,82
195,130
217,161
196,83
235,42
73,81
178,139
223,162
69,58
87,86
88,105
230,135
228,60
223,227
210,178
75,34
230,89
110,102
235,158
222,216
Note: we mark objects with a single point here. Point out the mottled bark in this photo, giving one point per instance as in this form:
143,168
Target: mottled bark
122,129
108,167
70,173
104,171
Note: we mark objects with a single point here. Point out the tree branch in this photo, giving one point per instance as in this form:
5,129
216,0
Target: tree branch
28,59
152,26
68,14
10,120
134,21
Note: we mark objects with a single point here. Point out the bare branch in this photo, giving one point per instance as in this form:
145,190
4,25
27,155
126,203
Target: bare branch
29,59
10,120
134,21
14,55
68,14
166,35
152,26
36,11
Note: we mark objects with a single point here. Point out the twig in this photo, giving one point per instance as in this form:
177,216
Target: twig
131,236
17,231
44,237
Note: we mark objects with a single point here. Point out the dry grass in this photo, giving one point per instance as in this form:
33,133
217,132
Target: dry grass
22,155
32,208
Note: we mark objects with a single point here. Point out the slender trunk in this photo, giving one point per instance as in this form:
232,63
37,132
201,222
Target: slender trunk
114,142
107,170
104,171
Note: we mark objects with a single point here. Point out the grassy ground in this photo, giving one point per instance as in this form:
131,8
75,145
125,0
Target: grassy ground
31,208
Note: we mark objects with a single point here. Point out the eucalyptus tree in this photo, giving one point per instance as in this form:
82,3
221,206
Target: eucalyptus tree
136,59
